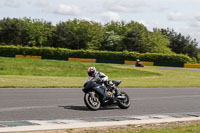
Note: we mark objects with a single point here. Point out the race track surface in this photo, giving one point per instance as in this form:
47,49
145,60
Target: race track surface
51,104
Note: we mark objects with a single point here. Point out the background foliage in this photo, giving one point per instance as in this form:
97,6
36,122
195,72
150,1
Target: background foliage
88,35
48,52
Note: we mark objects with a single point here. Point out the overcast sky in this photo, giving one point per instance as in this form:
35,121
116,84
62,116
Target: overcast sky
181,15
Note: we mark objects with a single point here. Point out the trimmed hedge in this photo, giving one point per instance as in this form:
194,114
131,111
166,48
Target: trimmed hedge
61,53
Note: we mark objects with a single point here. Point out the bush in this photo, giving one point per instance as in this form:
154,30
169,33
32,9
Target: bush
166,58
108,55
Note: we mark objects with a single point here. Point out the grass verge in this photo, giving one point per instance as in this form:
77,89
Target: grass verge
167,78
34,73
174,127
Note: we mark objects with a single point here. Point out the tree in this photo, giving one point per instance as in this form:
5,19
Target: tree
158,43
139,39
198,55
136,38
119,28
82,34
78,34
11,31
25,32
112,42
181,44
38,32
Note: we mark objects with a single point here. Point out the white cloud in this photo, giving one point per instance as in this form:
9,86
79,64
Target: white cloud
144,23
13,3
37,3
68,10
90,19
197,18
161,9
41,3
176,16
117,7
151,24
195,24
110,16
125,5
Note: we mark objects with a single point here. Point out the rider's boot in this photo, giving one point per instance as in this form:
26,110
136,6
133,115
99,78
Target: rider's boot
117,92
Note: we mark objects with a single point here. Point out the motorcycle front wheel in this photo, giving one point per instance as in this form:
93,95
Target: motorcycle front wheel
124,102
92,101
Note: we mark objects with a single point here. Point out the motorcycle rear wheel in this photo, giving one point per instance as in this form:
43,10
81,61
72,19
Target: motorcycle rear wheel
91,103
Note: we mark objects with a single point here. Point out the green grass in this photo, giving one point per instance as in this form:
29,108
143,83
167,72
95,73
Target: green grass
168,78
175,129
32,73
35,67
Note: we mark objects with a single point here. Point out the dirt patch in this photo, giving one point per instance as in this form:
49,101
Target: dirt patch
131,127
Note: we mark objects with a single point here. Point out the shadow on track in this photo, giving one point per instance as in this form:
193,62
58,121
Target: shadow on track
80,108
84,108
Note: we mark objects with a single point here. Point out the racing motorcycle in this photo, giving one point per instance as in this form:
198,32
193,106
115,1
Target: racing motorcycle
94,100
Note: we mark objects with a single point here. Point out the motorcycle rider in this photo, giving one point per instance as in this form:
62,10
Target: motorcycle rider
139,63
103,79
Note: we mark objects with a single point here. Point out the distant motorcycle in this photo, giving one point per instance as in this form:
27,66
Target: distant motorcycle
139,64
94,100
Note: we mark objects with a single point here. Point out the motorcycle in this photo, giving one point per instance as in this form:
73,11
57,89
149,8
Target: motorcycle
94,100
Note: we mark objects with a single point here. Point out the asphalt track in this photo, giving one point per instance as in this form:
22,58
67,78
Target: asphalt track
51,104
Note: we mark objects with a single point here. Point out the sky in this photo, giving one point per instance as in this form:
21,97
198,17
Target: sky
181,15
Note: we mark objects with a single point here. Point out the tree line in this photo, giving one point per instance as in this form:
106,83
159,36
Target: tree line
82,34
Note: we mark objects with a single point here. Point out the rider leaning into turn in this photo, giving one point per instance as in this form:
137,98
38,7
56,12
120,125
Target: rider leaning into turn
92,72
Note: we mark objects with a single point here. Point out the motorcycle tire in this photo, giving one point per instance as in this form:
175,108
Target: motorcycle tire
90,102
125,103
